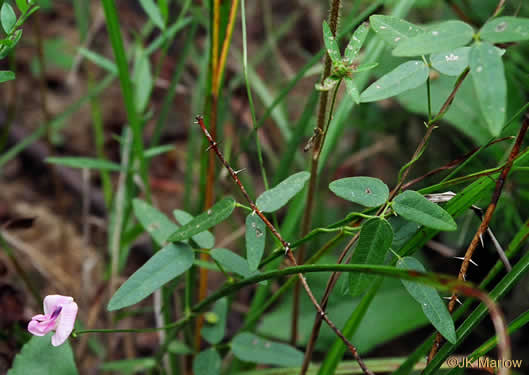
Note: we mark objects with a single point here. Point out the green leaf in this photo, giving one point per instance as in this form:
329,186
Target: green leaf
143,81
433,306
162,267
22,5
207,362
216,214
213,331
275,198
7,17
352,90
451,63
364,67
153,221
81,162
99,60
39,357
204,240
356,42
394,30
255,240
442,37
129,366
153,12
6,75
488,75
414,207
375,239
231,262
251,348
464,113
406,76
505,29
330,43
367,191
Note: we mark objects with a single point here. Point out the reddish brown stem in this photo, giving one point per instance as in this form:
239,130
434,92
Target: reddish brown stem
286,245
500,183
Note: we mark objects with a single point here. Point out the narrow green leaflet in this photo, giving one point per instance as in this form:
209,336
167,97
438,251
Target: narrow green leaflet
488,75
251,348
6,75
412,206
207,362
451,63
231,262
142,79
82,162
367,191
153,221
330,43
204,240
216,214
39,357
356,42
352,90
130,366
275,198
153,12
162,267
375,239
433,306
215,322
406,76
505,29
394,30
8,17
255,240
364,67
442,37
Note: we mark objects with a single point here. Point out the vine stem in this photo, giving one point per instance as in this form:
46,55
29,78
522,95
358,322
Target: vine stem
313,182
500,183
285,244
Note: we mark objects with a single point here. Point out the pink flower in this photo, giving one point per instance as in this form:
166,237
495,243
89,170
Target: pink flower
59,316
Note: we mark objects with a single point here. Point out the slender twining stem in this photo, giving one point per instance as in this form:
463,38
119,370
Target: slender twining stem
500,183
321,126
285,244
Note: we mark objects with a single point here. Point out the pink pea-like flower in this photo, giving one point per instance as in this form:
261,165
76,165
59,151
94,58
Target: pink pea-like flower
59,316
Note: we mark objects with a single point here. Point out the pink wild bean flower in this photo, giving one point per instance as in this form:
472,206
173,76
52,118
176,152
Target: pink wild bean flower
59,316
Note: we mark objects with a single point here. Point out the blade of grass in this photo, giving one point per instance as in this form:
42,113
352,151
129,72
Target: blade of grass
249,93
115,36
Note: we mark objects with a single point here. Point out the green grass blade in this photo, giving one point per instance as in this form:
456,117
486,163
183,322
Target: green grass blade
114,32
